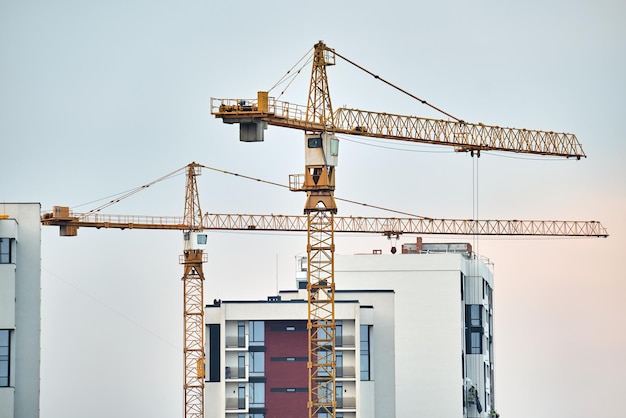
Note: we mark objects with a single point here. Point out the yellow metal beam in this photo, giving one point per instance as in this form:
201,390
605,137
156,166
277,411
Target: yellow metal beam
343,224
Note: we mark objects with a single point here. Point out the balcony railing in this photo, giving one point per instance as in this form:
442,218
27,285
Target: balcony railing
238,404
346,403
236,373
237,342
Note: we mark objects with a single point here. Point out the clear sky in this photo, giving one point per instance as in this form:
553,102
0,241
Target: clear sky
99,97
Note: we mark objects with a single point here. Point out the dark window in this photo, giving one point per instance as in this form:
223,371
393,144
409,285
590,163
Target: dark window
474,329
289,390
5,357
5,250
214,353
339,363
241,334
315,142
462,286
338,334
289,359
339,394
475,312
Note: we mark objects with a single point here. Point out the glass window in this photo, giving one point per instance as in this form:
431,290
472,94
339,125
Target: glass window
474,329
334,147
257,332
315,142
4,357
241,365
241,396
257,394
365,352
476,343
241,334
338,334
339,394
325,392
475,315
257,363
324,359
5,250
323,331
339,363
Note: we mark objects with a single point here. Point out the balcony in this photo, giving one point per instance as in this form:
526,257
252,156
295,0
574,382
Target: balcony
237,343
237,404
346,403
346,372
236,374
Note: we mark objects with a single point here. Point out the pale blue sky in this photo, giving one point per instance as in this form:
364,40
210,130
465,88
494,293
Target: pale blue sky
100,97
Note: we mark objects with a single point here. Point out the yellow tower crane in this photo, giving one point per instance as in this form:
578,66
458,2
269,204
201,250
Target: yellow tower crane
195,224
320,125
192,225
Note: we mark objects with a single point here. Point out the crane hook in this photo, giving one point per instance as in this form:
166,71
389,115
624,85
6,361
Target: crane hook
393,238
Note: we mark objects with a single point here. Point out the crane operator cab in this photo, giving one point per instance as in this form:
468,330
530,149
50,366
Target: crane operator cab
321,149
321,154
195,240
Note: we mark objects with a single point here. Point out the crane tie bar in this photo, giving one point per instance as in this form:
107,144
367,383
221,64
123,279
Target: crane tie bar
399,89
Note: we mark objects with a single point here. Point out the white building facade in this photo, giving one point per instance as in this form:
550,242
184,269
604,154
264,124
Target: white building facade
443,325
414,338
20,309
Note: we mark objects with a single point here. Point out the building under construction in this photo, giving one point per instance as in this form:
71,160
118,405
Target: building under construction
413,337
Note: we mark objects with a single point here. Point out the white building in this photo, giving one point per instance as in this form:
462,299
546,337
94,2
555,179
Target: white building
413,339
20,309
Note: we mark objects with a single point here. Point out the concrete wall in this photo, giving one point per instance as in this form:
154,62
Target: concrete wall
428,325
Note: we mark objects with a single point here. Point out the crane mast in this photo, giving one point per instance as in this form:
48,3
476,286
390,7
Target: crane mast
193,298
320,208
